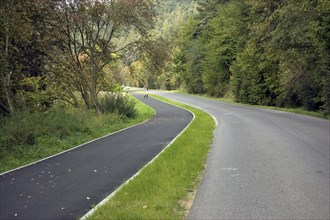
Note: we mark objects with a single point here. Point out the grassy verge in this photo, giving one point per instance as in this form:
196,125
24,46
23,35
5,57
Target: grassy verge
292,110
49,133
163,189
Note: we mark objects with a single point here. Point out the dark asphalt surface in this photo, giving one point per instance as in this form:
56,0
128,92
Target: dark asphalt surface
263,164
66,186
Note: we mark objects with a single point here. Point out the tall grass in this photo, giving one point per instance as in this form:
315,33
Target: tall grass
29,136
162,189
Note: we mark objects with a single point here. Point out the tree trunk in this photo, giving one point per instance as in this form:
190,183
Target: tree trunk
4,108
93,91
7,81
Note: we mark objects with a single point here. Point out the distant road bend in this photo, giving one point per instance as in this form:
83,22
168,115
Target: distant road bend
263,164
66,186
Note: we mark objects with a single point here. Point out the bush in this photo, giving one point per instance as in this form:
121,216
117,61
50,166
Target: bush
62,122
24,127
18,129
118,103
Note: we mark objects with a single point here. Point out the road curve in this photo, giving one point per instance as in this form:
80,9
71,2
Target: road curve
263,164
66,186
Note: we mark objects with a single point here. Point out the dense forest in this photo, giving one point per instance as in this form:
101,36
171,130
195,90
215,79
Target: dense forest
258,52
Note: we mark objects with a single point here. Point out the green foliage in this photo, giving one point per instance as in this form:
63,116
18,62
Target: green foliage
155,62
188,58
171,15
28,136
59,49
95,34
226,33
26,126
265,52
302,53
118,103
31,94
16,130
22,51
253,80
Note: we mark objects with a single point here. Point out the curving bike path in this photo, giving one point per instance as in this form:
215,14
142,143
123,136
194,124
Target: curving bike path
68,185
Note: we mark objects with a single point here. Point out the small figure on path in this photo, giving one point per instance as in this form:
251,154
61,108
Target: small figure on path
146,95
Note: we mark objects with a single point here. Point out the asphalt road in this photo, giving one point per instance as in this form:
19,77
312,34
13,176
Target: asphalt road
66,186
263,164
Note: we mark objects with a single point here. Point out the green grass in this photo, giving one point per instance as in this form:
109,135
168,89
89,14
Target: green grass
28,137
163,188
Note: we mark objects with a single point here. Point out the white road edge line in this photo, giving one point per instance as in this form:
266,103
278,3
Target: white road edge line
105,200
215,120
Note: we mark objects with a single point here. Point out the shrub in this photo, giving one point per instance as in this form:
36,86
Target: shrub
118,103
18,129
25,127
62,122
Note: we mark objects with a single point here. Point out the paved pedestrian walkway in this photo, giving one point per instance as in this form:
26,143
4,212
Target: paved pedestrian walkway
68,185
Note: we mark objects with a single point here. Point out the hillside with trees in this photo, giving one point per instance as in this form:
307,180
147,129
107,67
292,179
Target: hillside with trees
258,52
154,72
60,59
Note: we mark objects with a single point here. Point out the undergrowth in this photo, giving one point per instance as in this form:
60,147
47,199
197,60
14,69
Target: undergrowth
29,136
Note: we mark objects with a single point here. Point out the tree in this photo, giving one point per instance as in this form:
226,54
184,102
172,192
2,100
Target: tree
227,35
94,34
255,71
192,49
23,48
188,57
299,41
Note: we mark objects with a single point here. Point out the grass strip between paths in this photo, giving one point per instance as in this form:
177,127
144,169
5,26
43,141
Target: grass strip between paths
164,189
231,100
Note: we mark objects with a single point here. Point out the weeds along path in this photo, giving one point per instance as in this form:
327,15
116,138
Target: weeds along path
68,185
